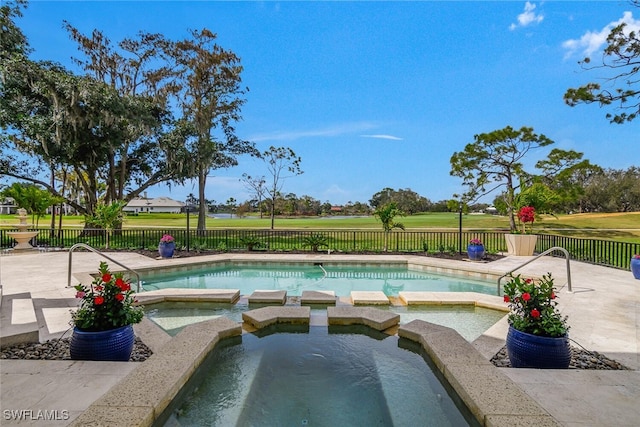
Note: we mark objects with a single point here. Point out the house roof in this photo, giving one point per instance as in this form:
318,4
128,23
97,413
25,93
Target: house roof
165,202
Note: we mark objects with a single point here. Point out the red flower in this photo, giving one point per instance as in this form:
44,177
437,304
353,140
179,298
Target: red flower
119,297
526,296
553,295
121,284
535,313
99,288
80,294
98,300
106,277
528,280
527,214
507,299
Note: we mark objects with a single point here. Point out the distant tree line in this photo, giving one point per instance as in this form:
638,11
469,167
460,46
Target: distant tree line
600,190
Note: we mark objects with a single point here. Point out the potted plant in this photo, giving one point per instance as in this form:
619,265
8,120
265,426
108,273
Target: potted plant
167,246
103,321
635,266
475,250
538,333
523,244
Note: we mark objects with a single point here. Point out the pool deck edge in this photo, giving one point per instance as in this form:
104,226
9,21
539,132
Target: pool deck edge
470,374
143,395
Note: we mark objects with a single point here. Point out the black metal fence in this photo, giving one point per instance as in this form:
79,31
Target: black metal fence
602,252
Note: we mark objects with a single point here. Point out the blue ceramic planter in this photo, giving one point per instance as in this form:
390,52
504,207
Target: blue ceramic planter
475,252
113,345
635,267
166,249
532,351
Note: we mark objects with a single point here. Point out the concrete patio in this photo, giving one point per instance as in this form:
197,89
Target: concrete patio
603,313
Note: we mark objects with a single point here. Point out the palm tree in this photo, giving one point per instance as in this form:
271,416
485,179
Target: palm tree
386,214
109,217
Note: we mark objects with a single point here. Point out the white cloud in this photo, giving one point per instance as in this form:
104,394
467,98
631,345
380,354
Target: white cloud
336,194
528,17
334,130
591,42
378,136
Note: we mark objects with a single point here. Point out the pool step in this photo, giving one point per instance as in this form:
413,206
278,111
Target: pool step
265,316
318,297
268,297
186,294
424,405
231,413
369,298
18,322
375,318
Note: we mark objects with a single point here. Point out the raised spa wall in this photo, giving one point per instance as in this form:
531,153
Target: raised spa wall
143,395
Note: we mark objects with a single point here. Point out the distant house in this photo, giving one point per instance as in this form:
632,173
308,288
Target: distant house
491,210
8,206
153,205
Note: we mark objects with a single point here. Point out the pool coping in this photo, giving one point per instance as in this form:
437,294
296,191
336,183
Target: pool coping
472,376
144,394
471,270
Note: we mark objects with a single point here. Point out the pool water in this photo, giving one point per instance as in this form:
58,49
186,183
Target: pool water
296,279
469,321
319,378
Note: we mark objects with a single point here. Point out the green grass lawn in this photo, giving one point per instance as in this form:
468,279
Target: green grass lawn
612,226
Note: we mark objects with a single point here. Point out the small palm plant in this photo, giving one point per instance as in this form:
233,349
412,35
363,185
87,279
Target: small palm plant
109,217
315,241
251,242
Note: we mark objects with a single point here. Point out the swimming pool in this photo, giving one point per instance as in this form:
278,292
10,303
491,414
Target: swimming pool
317,378
469,321
342,279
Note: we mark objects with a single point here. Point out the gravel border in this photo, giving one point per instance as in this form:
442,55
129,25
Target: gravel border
58,349
580,359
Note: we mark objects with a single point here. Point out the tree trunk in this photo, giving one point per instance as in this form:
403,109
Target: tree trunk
53,207
60,220
273,214
202,208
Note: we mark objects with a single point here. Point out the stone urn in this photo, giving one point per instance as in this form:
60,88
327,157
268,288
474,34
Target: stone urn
521,244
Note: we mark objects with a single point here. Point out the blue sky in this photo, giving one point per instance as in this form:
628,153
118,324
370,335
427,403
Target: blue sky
380,94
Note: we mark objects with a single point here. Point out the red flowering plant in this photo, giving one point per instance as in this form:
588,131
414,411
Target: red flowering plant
475,242
108,303
533,306
526,215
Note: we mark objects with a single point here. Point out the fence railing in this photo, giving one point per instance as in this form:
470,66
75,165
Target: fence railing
602,252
